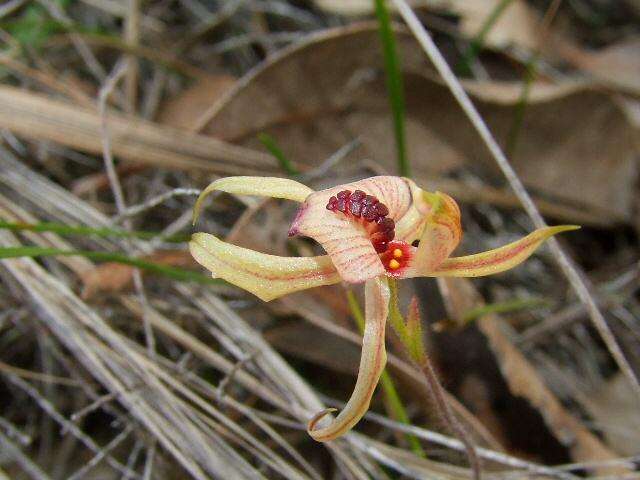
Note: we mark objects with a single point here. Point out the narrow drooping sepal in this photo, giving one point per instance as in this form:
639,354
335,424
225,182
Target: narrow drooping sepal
259,186
266,276
346,239
372,362
497,260
442,232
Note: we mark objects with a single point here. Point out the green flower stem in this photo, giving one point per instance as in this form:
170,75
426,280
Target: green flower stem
395,316
411,338
394,401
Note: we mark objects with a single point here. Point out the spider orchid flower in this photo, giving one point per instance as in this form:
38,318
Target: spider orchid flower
368,229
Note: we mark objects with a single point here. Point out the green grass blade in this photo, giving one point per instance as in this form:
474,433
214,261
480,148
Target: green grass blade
395,86
391,393
272,146
89,231
531,69
504,307
464,66
174,273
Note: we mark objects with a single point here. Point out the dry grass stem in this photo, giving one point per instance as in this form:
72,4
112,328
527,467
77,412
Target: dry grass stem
40,117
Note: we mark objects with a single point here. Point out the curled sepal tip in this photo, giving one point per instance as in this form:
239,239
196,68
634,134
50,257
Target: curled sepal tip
259,186
372,362
311,425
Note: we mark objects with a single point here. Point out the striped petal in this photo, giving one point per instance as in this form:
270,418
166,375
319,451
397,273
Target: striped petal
345,240
260,186
442,232
372,364
491,261
266,276
411,223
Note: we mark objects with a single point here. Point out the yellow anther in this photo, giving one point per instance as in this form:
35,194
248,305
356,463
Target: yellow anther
394,264
397,253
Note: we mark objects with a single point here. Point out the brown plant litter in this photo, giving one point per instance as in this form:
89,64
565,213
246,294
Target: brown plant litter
106,372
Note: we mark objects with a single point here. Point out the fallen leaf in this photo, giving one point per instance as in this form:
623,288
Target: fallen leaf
516,25
571,138
617,66
184,109
357,8
113,277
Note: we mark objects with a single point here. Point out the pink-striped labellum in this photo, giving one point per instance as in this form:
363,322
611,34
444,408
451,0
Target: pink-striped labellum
367,229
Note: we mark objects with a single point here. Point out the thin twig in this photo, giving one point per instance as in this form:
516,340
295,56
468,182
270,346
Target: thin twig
97,458
14,432
131,36
228,378
118,72
148,466
455,444
85,52
437,393
48,407
93,406
13,452
10,7
105,91
41,377
154,201
133,457
326,166
579,284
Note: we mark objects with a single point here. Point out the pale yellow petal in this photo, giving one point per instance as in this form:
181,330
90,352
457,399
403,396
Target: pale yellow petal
441,234
259,186
266,276
497,260
372,364
410,224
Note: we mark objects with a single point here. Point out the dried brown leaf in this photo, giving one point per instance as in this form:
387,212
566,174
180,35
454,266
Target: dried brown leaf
184,110
516,25
617,66
356,8
571,138
113,277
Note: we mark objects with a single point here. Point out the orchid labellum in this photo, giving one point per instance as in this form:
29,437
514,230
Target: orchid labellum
368,229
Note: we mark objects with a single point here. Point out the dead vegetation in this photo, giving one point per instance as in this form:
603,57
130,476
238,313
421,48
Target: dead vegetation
113,114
